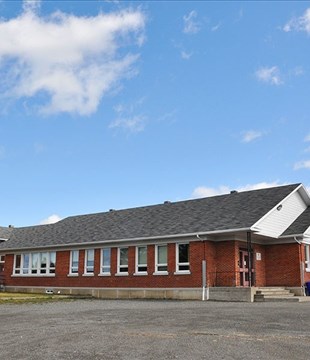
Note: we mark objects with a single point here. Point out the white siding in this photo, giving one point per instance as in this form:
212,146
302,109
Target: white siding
277,221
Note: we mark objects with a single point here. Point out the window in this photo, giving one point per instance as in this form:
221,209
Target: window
122,262
161,259
141,259
182,257
89,261
26,263
74,262
2,258
307,257
52,262
17,264
35,263
105,266
43,264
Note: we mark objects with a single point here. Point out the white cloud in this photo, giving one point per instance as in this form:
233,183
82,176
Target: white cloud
51,219
134,123
270,75
168,116
307,138
239,16
73,60
216,27
191,25
304,164
298,71
301,23
186,55
249,136
31,5
127,117
202,191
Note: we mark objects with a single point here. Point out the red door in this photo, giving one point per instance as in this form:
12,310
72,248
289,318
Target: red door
244,268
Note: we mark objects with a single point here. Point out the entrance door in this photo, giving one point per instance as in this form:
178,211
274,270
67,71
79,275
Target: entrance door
244,268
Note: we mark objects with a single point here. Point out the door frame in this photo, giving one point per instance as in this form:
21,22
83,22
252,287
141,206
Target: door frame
243,267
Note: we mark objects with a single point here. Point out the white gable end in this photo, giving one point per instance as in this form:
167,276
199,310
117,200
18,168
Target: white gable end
282,216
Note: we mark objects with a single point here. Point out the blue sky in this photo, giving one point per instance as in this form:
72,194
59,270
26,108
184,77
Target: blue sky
108,104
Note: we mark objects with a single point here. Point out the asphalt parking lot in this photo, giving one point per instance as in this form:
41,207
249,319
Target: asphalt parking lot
121,329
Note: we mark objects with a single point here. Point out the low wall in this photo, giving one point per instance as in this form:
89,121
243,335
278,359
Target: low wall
232,294
214,293
297,291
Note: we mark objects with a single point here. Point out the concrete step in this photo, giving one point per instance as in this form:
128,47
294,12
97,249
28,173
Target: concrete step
271,288
279,299
274,294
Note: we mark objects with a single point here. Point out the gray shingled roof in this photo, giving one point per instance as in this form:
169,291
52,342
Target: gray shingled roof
300,225
217,213
5,232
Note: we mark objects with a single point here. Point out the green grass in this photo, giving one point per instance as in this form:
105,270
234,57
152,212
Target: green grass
20,298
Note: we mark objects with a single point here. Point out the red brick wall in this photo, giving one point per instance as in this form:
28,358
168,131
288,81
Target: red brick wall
259,265
61,278
283,265
226,263
279,265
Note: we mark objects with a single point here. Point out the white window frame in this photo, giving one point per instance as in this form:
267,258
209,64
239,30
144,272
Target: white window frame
20,265
138,266
52,269
307,258
177,260
157,265
35,269
23,269
2,259
103,266
71,267
119,266
89,269
28,270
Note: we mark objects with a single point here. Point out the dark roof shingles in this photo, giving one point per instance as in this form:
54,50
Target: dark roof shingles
224,212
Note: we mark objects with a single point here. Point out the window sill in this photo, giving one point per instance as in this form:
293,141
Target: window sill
122,274
73,275
33,275
140,273
160,273
105,274
185,272
90,274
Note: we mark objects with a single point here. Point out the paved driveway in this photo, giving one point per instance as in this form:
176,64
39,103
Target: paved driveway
121,329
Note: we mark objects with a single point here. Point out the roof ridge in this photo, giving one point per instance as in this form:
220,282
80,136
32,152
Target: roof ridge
177,202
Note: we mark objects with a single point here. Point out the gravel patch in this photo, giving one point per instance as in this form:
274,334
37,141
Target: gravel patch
130,329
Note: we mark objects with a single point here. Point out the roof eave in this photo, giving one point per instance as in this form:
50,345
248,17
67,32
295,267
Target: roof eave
150,238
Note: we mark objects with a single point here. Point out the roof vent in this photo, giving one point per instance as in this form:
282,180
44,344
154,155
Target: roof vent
234,192
279,207
167,202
